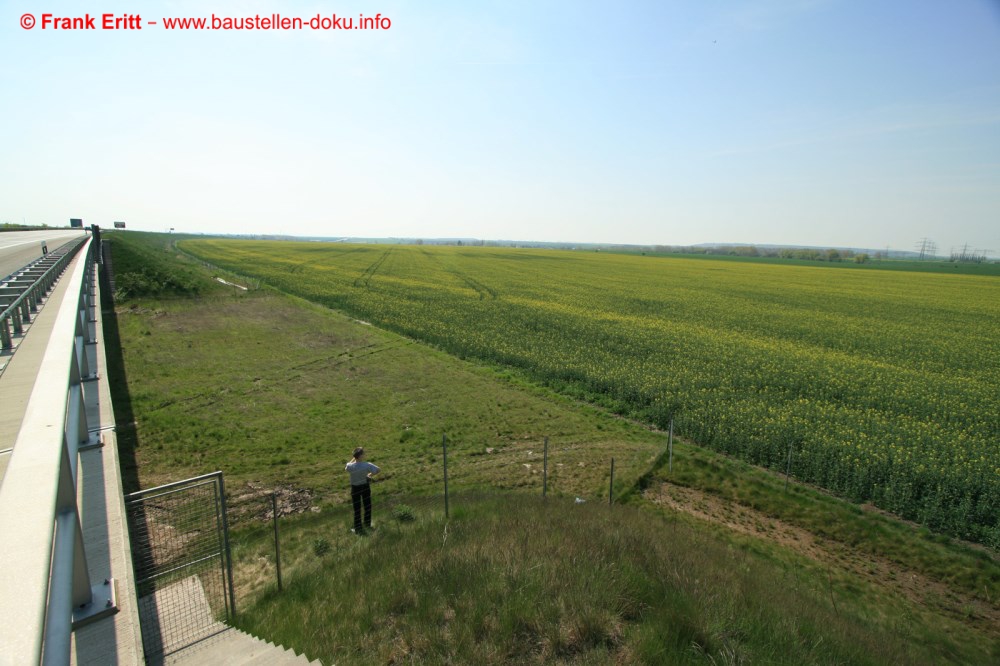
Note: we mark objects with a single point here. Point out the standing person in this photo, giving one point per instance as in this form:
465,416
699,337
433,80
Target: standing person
361,473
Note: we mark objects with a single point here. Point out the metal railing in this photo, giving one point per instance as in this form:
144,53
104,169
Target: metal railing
46,591
18,313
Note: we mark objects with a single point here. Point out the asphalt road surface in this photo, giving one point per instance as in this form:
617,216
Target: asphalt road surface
18,248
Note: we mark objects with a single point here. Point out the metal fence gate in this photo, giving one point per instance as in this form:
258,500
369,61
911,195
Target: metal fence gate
183,566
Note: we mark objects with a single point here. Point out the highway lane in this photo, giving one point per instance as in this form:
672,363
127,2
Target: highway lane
18,248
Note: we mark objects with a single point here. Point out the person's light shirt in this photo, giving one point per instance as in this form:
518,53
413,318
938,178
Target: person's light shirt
359,472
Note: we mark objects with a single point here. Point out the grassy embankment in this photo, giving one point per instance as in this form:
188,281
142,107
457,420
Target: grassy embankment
274,390
519,579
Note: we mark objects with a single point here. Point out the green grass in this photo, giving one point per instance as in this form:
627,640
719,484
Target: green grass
151,270
516,579
276,392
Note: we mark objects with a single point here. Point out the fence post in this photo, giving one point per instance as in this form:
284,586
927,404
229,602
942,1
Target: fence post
545,468
225,537
788,466
217,507
611,486
444,448
277,541
670,445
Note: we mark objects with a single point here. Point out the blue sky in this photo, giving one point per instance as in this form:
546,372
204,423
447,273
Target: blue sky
816,122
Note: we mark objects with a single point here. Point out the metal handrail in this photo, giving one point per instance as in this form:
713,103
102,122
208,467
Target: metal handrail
172,486
49,588
19,312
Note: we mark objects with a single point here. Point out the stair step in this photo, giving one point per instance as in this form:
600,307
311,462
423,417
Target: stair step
235,648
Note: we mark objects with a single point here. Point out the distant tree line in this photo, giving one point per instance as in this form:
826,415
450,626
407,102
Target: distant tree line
967,256
14,226
807,254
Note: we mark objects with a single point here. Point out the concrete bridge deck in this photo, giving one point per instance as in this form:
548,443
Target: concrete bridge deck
113,640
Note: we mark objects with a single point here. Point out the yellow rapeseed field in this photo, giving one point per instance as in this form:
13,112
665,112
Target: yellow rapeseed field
885,384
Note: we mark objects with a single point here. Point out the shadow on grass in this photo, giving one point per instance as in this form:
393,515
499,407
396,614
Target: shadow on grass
118,383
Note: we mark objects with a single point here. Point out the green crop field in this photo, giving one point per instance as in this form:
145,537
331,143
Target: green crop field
884,385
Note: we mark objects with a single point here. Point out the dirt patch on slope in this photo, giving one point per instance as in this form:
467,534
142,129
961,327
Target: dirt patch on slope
253,502
879,572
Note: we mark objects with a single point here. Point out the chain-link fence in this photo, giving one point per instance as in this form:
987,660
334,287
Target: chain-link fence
255,538
555,467
191,568
181,557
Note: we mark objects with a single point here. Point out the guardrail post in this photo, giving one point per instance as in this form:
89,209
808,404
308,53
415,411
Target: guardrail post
83,364
15,321
83,325
80,340
67,508
81,315
90,303
77,429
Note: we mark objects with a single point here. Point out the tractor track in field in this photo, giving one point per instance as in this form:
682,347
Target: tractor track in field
336,360
477,286
485,291
365,278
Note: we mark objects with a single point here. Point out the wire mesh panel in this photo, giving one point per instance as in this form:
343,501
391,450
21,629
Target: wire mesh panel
182,566
254,539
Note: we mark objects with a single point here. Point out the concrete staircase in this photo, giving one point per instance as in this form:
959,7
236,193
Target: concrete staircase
231,647
179,620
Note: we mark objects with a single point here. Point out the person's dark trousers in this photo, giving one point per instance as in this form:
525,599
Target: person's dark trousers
362,494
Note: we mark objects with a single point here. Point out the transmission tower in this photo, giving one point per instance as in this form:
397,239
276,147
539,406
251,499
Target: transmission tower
927,248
